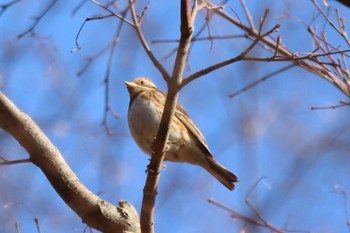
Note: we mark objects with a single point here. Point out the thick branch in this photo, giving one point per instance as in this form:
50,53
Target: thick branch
150,190
94,211
345,2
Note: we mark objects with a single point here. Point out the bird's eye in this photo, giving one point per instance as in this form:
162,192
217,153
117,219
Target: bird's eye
141,82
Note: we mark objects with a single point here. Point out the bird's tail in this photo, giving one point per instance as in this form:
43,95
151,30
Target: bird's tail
223,175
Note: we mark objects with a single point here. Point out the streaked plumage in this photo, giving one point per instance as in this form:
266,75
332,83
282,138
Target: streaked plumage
186,143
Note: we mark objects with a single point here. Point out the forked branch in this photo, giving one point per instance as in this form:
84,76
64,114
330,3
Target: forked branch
260,221
279,49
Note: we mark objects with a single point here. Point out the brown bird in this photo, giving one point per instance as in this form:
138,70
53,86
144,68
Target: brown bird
185,144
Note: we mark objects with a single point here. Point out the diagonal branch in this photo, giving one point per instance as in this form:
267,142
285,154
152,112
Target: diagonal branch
37,19
5,6
240,57
340,31
262,79
121,17
137,27
261,221
282,50
94,211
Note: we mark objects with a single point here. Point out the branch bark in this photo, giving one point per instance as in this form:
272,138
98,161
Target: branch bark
154,168
93,211
282,50
137,27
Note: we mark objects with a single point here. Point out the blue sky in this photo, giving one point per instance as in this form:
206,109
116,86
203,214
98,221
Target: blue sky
266,131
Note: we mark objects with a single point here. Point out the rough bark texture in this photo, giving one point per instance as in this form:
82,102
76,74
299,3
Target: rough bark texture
94,211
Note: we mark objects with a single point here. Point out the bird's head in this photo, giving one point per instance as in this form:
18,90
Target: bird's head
140,84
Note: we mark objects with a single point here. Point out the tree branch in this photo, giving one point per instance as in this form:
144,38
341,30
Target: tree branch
5,6
240,57
154,168
11,162
311,66
37,19
261,221
94,211
137,27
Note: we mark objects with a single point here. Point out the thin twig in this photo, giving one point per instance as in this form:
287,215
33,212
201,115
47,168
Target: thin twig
11,162
262,79
141,16
250,204
37,19
17,227
77,48
257,222
36,221
282,50
207,20
113,13
341,104
201,39
92,58
108,72
150,54
340,31
78,6
310,57
248,15
344,194
5,6
240,57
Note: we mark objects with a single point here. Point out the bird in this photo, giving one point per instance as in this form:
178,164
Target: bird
186,143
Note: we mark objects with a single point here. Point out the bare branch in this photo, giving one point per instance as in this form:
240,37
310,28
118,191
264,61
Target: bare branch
108,72
94,211
340,31
92,58
11,162
19,203
313,67
242,56
5,6
345,2
344,194
78,6
82,26
262,79
201,39
137,27
37,19
141,16
113,13
258,222
248,15
342,104
154,168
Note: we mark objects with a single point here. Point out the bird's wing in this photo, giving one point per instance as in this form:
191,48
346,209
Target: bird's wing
181,114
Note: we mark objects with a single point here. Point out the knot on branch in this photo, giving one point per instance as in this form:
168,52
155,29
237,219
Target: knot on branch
186,31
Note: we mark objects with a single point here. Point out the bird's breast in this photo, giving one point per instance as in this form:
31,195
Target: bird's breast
144,118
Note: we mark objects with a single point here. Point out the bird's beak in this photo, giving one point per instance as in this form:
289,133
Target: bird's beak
129,85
